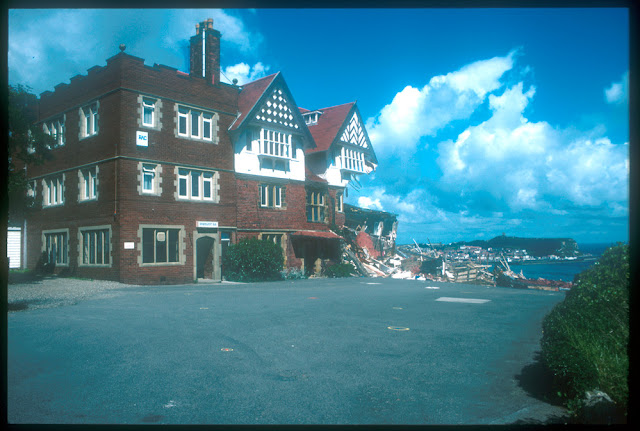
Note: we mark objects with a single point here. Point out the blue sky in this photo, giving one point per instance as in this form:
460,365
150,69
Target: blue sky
484,121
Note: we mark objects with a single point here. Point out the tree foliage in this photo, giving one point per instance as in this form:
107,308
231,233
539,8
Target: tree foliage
253,260
585,337
27,144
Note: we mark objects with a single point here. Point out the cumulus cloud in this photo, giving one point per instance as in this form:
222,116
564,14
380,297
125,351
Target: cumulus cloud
530,165
417,112
244,73
618,92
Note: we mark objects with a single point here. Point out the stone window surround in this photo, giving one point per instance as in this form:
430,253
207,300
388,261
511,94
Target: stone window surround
157,183
182,238
82,133
157,118
55,231
81,184
80,239
215,186
45,190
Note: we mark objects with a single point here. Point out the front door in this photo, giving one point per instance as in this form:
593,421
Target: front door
204,257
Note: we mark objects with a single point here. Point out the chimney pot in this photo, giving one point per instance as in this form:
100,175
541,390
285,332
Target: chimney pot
197,28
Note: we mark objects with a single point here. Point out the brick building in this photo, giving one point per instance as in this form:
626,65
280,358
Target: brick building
156,171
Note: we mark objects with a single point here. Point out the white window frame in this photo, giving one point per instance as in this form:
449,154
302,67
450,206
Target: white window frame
53,191
352,160
196,182
197,123
94,245
89,183
149,169
56,129
89,120
275,144
340,202
270,196
149,103
59,238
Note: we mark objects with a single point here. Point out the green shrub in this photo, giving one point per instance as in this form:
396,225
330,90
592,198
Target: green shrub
585,337
340,270
253,260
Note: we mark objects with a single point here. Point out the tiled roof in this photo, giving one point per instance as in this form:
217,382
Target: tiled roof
249,96
329,125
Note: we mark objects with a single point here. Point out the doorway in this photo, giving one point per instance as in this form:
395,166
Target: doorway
205,253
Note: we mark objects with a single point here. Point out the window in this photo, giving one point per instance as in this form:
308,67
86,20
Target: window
148,178
95,247
196,124
276,238
352,160
315,207
275,144
339,202
160,245
53,189
270,196
148,112
89,120
311,118
196,185
55,247
88,183
55,128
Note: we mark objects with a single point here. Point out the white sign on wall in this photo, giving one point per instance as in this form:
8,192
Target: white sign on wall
129,245
142,139
207,224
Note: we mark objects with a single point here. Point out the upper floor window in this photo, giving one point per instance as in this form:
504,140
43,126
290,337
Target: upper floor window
148,178
311,118
315,206
53,189
352,160
89,120
196,185
275,144
88,183
196,124
55,128
148,112
270,196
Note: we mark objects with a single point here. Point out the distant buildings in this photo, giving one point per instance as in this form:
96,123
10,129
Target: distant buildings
157,172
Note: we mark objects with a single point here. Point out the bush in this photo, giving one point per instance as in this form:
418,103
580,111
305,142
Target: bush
585,337
340,270
292,274
253,260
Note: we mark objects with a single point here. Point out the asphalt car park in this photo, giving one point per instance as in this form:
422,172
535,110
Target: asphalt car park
322,351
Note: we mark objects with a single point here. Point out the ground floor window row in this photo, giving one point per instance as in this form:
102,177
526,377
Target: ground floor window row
94,246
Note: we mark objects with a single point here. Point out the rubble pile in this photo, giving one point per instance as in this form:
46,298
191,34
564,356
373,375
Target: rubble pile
370,245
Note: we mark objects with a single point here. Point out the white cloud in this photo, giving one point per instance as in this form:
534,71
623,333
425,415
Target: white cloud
531,165
618,92
415,112
244,73
366,202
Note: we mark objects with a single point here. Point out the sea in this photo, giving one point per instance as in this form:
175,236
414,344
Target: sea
562,270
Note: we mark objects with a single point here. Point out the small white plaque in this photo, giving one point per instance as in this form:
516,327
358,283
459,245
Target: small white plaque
142,139
212,224
161,236
129,245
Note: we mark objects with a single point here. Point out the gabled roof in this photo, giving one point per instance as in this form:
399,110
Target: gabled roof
255,94
332,124
329,125
249,97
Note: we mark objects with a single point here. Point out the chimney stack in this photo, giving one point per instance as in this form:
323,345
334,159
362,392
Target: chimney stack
205,52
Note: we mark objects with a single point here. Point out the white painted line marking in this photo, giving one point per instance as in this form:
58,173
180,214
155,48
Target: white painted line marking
468,300
431,287
374,283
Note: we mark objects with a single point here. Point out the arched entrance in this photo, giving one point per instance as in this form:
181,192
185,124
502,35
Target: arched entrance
205,258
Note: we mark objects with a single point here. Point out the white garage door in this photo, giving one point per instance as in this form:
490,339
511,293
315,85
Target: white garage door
13,247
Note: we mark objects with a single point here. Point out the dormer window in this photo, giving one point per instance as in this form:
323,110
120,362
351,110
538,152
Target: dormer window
311,118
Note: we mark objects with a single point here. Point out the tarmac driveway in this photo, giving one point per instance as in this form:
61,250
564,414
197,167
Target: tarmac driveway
327,351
